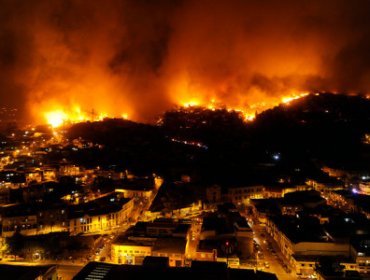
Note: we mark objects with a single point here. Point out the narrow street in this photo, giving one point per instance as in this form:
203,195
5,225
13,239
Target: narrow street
195,230
270,259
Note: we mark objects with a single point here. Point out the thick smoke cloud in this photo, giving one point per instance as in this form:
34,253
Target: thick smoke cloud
144,56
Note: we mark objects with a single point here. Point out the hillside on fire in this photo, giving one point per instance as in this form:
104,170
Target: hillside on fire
219,146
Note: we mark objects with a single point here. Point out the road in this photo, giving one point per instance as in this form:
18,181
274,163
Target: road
270,254
102,252
194,233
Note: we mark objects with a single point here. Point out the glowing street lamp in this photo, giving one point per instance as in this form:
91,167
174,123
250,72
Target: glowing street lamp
228,248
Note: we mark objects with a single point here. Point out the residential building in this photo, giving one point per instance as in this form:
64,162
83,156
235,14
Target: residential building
303,241
100,215
242,194
133,250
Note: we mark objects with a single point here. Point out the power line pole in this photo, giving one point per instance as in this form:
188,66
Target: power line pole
92,115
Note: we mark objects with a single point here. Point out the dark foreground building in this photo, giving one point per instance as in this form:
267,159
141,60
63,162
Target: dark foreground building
157,268
23,272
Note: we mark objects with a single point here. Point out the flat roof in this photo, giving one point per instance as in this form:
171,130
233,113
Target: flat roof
104,205
9,271
306,229
197,271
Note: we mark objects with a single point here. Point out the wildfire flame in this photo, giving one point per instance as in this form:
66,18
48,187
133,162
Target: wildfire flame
57,113
61,117
288,99
249,114
55,118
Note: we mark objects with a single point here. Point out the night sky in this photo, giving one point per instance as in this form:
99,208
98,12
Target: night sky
144,56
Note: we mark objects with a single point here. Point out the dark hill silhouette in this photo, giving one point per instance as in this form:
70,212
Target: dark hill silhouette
217,146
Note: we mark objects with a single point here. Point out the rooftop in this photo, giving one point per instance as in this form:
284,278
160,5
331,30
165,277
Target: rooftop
165,244
141,184
305,229
103,205
362,245
23,272
219,224
197,271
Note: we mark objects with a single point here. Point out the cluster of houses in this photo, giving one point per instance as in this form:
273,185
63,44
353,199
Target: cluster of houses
214,237
308,228
308,220
41,206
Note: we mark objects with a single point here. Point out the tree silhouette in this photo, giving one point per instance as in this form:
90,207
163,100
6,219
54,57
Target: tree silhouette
16,244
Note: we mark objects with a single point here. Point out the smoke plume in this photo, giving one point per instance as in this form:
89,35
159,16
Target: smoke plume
141,57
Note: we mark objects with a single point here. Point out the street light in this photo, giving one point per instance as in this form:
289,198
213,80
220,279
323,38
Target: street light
227,253
228,248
